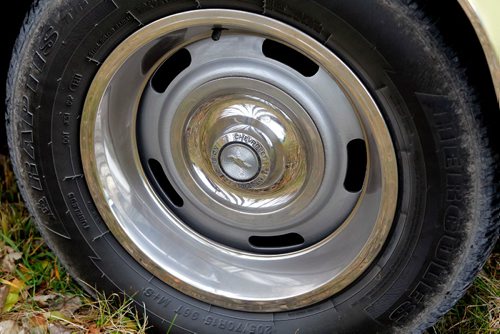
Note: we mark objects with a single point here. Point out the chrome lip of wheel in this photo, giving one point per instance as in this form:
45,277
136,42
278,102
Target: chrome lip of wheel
153,233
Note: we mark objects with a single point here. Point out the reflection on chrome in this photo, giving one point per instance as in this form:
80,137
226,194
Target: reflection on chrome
267,131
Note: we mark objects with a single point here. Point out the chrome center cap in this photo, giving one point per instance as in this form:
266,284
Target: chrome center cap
242,160
239,162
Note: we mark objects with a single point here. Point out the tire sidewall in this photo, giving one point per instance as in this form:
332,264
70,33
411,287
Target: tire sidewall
59,56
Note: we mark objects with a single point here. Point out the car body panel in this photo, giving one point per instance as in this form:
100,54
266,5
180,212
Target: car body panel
483,15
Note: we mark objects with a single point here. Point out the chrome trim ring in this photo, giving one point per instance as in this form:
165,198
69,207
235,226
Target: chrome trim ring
166,239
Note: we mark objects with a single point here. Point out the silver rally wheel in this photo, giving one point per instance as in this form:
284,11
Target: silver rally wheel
238,178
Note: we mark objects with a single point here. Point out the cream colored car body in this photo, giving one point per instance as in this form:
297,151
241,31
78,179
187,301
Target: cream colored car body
485,18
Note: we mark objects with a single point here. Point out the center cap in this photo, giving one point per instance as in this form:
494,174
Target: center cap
239,162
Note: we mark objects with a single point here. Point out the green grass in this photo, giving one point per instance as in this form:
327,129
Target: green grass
479,310
37,294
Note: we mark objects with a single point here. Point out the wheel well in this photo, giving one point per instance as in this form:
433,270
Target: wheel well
458,32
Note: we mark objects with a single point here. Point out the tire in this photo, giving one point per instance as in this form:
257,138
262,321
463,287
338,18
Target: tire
420,156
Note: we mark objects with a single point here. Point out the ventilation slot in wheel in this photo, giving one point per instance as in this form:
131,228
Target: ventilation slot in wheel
289,57
164,184
276,241
356,165
170,69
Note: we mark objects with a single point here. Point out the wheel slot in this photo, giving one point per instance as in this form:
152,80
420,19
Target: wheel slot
356,165
276,241
170,69
290,57
164,184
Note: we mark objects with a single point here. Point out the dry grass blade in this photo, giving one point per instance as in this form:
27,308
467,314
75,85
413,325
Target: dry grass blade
36,294
479,310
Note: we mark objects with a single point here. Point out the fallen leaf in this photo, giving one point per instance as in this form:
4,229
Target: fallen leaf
59,329
16,286
44,300
4,291
57,275
35,324
129,323
10,327
4,249
67,305
10,301
15,283
38,320
43,264
93,329
9,259
56,315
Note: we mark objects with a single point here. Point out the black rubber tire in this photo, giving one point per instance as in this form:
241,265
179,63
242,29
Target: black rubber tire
447,218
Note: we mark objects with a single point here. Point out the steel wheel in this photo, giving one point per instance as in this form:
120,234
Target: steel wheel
244,181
